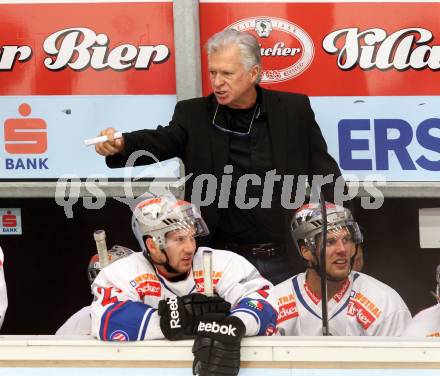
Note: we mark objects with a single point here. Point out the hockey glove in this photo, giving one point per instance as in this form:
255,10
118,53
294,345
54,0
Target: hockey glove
216,348
179,316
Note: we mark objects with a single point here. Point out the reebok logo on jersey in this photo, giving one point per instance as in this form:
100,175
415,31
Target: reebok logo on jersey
287,312
213,327
174,313
148,288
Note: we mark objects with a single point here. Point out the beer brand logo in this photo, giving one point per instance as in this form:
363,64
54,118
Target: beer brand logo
148,288
142,278
436,334
286,49
287,311
362,315
200,280
263,28
200,284
374,48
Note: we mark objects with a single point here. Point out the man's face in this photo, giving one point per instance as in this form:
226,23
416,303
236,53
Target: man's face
232,85
339,250
180,246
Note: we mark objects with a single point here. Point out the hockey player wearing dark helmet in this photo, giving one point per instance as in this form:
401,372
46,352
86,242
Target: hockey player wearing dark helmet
330,298
343,239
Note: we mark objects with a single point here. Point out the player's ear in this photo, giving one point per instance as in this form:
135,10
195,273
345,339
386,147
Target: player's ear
306,253
152,246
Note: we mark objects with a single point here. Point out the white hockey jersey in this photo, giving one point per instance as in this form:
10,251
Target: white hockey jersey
80,323
364,306
3,292
425,324
127,293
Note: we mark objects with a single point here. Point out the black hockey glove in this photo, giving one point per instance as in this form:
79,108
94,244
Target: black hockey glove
179,316
216,348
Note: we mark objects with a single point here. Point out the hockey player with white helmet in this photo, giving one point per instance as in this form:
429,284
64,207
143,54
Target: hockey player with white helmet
80,323
357,304
159,293
427,322
3,292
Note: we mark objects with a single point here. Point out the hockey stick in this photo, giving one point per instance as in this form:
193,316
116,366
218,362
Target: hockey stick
437,277
324,306
101,247
436,294
207,273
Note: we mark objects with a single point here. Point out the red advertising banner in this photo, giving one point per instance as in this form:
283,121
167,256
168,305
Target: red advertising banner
337,49
87,49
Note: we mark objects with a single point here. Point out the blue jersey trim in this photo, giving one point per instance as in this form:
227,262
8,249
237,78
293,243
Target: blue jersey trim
147,321
301,298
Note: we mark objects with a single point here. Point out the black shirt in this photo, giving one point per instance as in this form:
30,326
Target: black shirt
249,155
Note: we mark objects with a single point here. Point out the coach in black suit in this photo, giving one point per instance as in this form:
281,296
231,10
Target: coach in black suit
244,134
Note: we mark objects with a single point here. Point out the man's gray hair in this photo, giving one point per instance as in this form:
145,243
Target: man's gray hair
250,53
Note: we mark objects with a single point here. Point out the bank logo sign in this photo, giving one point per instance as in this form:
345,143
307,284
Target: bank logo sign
10,223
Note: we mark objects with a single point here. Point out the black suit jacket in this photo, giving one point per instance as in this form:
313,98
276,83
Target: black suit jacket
298,146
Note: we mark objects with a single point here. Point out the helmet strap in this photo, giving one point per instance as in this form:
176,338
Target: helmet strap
167,265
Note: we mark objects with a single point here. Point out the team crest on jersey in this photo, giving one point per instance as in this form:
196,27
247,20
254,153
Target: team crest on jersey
119,335
270,330
255,304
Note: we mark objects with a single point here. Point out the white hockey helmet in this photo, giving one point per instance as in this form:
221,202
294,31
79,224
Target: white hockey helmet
156,217
115,253
307,223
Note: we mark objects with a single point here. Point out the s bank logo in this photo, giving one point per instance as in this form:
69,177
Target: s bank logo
287,50
414,147
25,136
